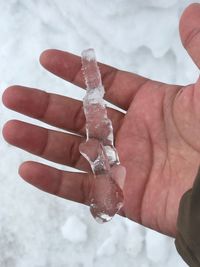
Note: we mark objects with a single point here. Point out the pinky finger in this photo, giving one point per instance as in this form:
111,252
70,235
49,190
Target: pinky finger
69,185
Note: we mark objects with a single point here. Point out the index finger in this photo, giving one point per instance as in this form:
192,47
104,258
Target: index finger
120,86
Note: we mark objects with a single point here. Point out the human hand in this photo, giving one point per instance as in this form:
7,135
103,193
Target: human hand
157,139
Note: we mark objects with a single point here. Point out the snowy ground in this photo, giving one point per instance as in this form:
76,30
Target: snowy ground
40,230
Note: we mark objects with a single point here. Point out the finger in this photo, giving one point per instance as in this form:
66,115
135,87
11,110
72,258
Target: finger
52,145
190,31
56,110
120,86
68,185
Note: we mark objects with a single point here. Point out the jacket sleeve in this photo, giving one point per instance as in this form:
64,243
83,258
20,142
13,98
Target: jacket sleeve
187,240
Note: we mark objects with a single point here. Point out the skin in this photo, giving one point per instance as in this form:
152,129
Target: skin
157,138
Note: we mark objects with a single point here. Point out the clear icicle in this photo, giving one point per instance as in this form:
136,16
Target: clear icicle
106,196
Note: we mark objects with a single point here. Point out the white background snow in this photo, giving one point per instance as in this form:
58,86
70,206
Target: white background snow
40,230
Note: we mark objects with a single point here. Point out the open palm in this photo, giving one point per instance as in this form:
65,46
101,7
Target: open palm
157,137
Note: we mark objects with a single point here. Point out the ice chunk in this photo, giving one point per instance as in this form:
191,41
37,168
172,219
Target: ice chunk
106,197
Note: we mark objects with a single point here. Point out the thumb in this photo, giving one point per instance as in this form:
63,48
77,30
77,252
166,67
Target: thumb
190,31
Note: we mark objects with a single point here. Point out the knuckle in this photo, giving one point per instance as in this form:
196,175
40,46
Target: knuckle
191,37
86,189
44,148
79,119
74,153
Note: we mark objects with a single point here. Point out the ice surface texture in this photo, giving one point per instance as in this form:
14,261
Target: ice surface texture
106,195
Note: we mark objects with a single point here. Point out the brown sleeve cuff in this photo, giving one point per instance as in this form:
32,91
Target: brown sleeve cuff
185,252
187,241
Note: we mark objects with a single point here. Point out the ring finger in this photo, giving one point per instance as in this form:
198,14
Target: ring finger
52,145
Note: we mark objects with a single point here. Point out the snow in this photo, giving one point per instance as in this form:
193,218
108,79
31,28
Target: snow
134,246
74,230
107,248
40,230
157,248
161,3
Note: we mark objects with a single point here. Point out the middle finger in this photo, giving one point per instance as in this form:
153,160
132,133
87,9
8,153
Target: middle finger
56,110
